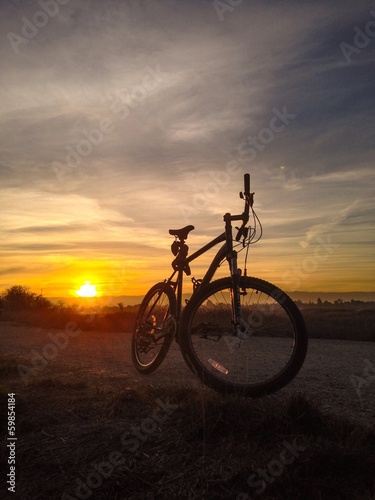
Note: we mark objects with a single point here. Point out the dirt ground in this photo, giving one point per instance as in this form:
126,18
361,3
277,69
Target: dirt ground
339,375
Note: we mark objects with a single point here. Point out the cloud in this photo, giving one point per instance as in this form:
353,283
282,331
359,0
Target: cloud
352,176
13,270
180,90
49,228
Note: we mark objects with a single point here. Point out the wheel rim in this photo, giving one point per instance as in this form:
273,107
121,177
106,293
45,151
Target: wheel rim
266,349
153,329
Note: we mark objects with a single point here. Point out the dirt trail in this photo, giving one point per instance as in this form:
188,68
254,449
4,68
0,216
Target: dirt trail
327,376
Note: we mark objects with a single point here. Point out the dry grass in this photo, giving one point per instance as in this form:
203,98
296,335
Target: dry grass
206,447
58,318
344,322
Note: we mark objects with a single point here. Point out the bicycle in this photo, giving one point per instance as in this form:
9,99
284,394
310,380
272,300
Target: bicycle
238,334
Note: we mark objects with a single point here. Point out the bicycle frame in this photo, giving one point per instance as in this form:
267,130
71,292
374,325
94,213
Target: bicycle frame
225,251
182,261
177,285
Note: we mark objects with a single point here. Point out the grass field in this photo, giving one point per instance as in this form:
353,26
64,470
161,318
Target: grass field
345,322
88,426
98,439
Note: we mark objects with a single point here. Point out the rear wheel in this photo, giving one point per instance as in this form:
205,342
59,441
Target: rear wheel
154,329
265,356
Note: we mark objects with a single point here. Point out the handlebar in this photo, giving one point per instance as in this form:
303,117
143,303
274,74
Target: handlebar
247,184
249,200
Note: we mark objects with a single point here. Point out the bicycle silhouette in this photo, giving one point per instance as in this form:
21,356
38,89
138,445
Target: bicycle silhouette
238,334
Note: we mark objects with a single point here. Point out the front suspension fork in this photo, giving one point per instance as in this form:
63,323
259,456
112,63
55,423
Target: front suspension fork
237,321
236,295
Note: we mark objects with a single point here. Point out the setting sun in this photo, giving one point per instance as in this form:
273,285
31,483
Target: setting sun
87,290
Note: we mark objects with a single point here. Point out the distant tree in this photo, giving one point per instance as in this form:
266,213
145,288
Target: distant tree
319,301
19,297
41,302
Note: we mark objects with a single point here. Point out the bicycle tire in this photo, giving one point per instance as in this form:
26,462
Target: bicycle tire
156,317
275,333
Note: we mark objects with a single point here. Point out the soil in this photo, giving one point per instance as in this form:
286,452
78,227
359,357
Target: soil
339,375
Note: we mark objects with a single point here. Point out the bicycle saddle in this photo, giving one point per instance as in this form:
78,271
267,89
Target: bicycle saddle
182,233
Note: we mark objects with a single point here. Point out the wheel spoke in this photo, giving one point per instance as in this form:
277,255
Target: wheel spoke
263,355
154,328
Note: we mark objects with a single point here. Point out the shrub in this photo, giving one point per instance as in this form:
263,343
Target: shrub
19,297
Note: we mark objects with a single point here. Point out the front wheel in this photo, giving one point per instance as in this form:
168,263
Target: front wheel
262,357
155,328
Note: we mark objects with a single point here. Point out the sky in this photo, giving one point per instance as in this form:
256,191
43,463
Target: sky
121,120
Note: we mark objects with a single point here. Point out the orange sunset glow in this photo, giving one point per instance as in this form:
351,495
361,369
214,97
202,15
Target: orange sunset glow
113,134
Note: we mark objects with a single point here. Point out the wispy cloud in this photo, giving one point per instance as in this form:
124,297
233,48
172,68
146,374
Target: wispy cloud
217,85
354,176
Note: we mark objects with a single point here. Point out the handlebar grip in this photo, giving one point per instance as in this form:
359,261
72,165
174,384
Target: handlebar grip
247,184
